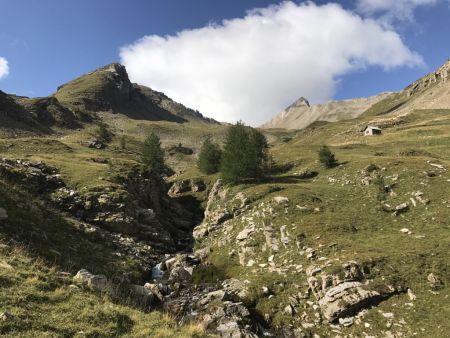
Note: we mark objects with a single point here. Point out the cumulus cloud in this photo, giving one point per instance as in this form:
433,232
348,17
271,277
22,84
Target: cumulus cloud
390,11
251,68
4,68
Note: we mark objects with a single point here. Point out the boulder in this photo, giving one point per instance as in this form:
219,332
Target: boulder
344,299
95,282
180,275
179,187
232,329
96,144
235,289
118,222
402,207
197,186
343,295
281,199
203,253
352,271
157,290
141,295
306,173
244,234
433,280
5,316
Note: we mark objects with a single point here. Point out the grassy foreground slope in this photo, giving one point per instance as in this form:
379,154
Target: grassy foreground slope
42,301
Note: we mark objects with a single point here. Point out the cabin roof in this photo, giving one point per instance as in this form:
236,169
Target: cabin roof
372,127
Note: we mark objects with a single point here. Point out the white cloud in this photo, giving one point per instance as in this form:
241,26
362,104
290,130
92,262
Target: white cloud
390,11
253,67
4,68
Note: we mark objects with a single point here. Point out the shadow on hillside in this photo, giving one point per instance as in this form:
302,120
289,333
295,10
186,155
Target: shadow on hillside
193,216
285,179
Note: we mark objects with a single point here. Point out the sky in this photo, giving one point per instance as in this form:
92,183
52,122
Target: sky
232,60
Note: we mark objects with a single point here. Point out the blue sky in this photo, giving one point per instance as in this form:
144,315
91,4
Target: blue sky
49,42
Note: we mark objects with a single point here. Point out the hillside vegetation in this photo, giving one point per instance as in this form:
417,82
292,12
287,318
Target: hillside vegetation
92,247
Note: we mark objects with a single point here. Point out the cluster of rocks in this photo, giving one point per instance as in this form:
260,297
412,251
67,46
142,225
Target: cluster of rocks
36,176
343,296
416,197
134,207
218,306
139,208
95,143
183,186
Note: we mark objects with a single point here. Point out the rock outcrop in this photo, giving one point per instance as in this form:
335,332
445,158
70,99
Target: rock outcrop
441,75
344,296
95,282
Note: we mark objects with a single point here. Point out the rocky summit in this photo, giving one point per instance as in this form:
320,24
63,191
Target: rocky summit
92,245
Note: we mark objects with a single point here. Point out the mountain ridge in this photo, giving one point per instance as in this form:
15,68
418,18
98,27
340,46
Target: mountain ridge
301,114
106,89
432,91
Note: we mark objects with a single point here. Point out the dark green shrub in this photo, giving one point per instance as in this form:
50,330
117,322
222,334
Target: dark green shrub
103,133
326,157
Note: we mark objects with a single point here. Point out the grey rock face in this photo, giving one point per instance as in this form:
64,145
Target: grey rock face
214,216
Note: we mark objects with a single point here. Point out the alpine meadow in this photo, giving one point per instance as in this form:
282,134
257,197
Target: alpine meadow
176,192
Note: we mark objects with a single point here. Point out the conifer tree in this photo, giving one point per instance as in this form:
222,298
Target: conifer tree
153,156
244,154
209,157
260,156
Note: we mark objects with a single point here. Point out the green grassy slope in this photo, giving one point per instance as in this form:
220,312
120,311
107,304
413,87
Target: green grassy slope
42,301
341,217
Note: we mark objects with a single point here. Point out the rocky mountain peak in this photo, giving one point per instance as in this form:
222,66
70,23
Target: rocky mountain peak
118,70
301,102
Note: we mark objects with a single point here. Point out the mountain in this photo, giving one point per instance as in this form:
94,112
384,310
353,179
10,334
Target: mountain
95,247
301,114
429,92
107,89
